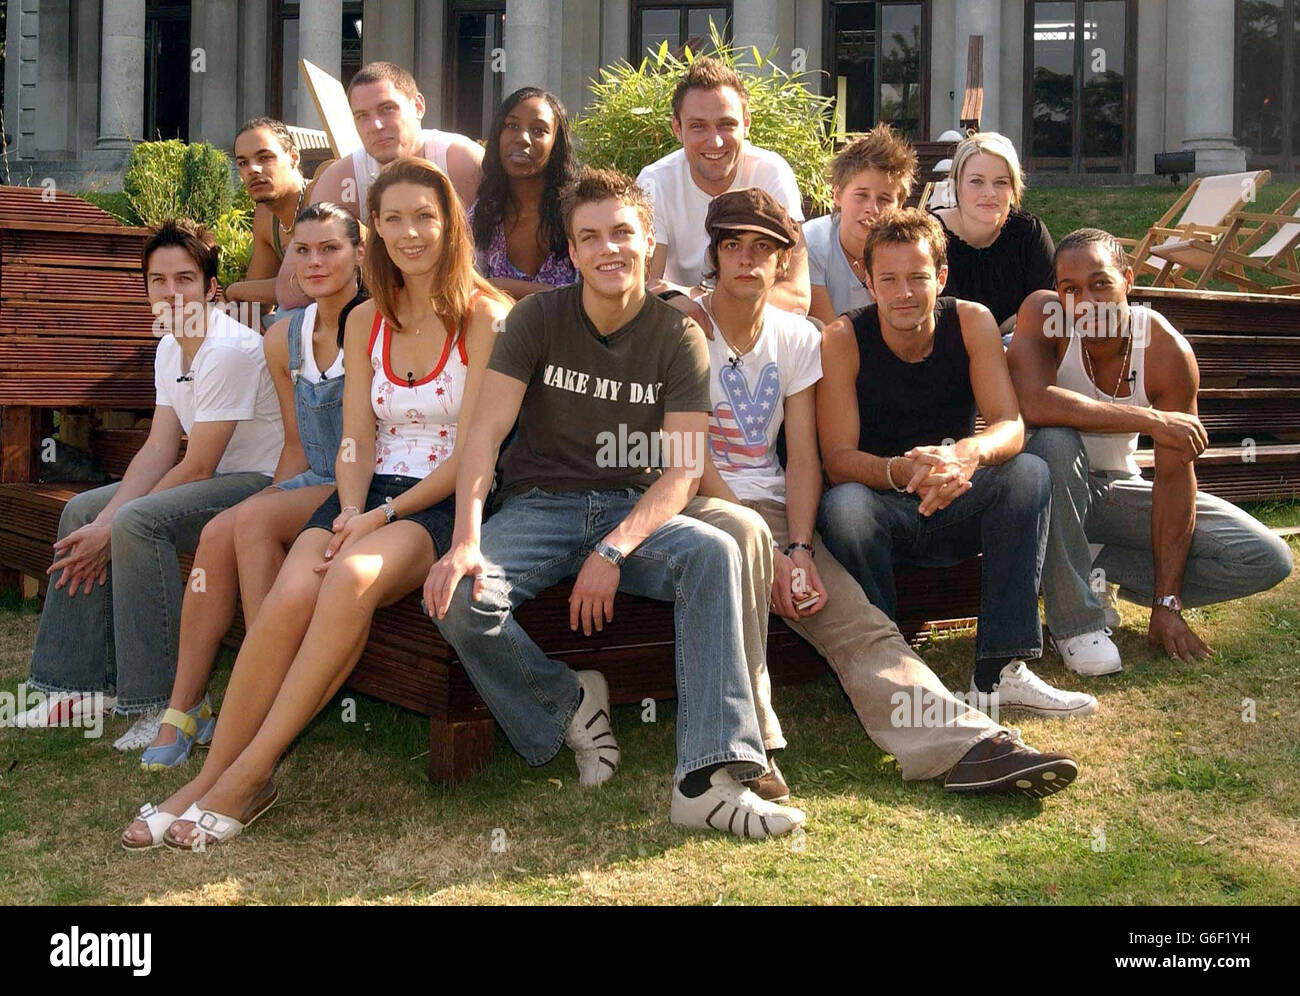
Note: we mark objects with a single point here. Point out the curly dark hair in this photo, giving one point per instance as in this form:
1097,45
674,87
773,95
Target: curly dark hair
494,191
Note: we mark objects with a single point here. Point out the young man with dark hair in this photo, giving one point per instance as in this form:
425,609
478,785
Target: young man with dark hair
111,621
765,364
711,119
594,374
1093,373
270,169
914,482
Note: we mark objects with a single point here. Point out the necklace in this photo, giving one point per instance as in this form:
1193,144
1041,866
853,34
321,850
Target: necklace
288,229
736,354
1123,368
855,264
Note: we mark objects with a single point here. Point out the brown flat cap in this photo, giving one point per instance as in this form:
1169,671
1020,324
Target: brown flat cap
751,209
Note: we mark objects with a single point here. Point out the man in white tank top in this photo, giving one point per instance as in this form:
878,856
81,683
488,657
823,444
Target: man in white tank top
387,108
1093,373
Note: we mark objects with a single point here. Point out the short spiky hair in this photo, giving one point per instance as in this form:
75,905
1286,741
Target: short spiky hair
708,74
594,185
882,149
380,72
276,127
906,227
183,233
1080,238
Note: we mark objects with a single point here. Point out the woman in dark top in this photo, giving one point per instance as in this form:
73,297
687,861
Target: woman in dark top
997,254
519,240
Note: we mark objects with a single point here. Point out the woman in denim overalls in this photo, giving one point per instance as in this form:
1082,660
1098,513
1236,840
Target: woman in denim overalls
241,549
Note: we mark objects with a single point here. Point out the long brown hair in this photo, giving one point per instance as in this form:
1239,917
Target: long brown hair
455,279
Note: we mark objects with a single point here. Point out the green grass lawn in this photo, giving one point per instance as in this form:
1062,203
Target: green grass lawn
1178,801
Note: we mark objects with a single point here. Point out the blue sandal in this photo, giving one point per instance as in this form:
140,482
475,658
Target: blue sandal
194,726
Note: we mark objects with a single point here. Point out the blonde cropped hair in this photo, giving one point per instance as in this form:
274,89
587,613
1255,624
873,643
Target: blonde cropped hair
995,145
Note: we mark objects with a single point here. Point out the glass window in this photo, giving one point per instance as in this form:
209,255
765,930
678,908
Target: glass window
900,67
876,57
475,90
1077,85
1260,119
677,24
1053,85
1103,79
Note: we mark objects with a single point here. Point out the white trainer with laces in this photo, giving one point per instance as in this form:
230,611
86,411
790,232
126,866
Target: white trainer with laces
142,732
729,807
1019,688
1090,654
589,735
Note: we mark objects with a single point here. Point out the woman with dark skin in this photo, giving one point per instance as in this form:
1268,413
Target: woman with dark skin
519,239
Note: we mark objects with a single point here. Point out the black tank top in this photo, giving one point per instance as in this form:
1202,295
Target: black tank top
901,404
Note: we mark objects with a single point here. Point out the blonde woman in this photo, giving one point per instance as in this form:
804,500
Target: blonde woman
998,254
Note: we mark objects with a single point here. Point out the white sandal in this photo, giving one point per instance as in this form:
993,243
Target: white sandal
157,821
214,827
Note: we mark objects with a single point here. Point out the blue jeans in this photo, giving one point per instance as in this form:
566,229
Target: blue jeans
538,539
1231,555
1004,516
124,635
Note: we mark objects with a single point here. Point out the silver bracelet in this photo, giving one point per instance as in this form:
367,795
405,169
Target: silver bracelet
889,473
350,508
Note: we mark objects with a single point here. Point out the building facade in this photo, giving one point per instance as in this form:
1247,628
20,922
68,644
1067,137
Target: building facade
1082,87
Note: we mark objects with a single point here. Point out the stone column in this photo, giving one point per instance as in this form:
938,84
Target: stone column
430,50
121,74
528,43
756,22
320,40
978,17
1208,33
213,91
615,30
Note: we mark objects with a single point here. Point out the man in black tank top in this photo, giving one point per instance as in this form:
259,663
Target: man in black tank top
913,482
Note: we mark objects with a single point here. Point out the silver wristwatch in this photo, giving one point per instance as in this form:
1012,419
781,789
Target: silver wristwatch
609,552
390,511
1171,602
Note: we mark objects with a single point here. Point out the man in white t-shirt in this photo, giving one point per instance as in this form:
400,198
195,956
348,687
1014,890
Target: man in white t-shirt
711,119
111,622
765,364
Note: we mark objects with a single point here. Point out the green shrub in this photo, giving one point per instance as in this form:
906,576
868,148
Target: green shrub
173,180
234,233
627,123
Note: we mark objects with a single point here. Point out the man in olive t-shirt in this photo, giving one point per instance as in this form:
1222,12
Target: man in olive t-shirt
608,385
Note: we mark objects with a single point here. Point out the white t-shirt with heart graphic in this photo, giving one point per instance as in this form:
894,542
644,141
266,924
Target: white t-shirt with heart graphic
748,400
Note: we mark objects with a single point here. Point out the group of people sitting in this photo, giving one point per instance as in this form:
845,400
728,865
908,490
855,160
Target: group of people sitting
643,386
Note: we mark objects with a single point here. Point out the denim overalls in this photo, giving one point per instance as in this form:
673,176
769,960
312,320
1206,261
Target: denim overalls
319,408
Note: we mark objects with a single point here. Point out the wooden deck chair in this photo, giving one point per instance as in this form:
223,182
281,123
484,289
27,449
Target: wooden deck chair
1202,212
1244,248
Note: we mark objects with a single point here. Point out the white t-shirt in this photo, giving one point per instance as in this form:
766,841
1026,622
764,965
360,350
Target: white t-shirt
228,382
680,205
828,267
748,400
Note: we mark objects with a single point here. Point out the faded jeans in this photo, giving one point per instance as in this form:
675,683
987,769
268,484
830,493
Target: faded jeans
124,636
1231,555
538,539
1004,516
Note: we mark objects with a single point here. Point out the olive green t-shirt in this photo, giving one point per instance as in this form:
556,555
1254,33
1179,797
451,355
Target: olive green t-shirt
594,407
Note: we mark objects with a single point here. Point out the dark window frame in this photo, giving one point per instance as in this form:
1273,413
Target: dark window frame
154,13
1077,161
277,12
1288,161
634,25
451,59
828,55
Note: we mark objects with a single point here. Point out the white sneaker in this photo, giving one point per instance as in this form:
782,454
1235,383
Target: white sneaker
731,808
1019,688
142,732
589,734
1090,654
62,709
